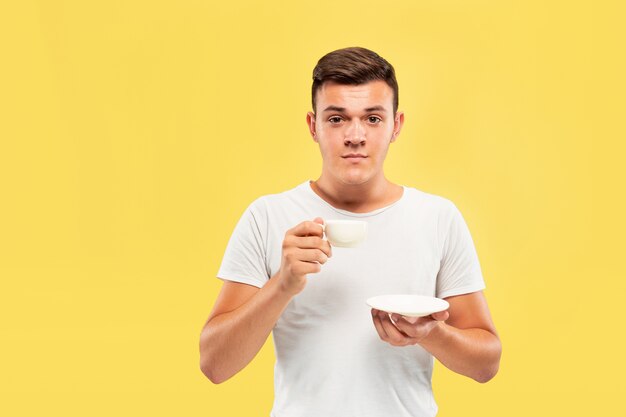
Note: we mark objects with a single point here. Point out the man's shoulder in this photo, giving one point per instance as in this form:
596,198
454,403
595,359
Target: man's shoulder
277,199
428,200
294,191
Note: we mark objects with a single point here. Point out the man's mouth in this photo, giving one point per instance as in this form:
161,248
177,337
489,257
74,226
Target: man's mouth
354,156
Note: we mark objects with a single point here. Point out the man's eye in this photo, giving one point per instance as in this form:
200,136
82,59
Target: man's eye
335,119
374,119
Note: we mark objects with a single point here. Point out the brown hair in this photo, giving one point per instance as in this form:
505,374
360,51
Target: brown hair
353,66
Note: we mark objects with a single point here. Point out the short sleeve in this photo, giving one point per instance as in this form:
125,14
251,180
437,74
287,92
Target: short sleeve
460,271
245,256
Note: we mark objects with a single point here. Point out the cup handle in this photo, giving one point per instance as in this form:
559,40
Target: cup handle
323,231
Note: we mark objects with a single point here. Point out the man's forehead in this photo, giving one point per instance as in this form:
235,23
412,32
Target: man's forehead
371,96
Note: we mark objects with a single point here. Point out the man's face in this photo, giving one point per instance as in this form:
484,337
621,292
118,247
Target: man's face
354,127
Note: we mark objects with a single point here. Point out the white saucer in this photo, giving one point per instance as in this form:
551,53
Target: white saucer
408,305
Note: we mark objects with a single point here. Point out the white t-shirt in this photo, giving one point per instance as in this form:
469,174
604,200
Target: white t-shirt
330,360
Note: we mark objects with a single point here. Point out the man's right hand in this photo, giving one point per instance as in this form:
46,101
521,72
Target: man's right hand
304,252
243,316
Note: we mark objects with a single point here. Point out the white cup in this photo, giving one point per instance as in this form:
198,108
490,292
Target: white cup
345,233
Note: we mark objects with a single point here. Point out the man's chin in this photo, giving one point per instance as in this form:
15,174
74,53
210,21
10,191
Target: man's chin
354,180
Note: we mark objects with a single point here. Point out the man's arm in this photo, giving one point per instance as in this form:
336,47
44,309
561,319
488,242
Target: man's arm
464,338
238,326
244,315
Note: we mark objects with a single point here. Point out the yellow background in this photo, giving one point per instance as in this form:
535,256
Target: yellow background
135,133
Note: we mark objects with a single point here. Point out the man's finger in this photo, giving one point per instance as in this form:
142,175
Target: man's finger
312,255
394,335
441,316
308,228
314,242
378,325
405,326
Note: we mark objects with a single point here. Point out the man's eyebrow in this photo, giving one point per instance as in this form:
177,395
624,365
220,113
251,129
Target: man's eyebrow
335,108
343,109
375,108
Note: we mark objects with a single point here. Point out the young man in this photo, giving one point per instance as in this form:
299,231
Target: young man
335,356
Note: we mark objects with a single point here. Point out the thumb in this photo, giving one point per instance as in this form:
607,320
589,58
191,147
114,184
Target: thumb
318,220
441,316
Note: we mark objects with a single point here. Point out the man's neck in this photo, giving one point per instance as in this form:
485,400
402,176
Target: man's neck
358,198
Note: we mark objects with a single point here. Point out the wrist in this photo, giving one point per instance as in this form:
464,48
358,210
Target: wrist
436,334
283,287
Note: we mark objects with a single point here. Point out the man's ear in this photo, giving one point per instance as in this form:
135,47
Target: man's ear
397,125
310,121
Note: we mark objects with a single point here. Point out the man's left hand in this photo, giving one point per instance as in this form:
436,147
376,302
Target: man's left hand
399,330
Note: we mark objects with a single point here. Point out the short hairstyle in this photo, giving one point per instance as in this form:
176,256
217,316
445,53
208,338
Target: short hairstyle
353,66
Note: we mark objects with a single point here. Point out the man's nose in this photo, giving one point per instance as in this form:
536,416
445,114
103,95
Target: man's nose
355,134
